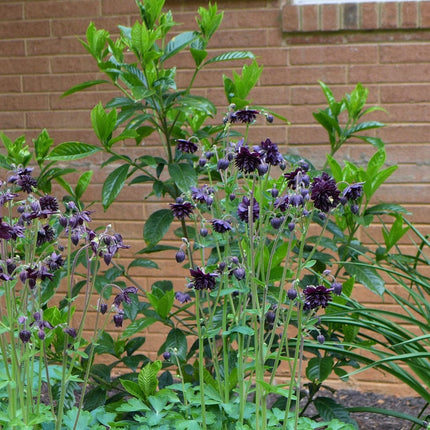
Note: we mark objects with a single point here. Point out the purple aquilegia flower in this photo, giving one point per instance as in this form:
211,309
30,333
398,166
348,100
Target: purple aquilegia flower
244,207
48,203
124,296
316,297
54,261
282,203
297,178
6,230
203,195
186,146
353,191
181,208
45,235
245,116
246,161
324,193
269,152
182,297
220,225
202,280
7,196
23,179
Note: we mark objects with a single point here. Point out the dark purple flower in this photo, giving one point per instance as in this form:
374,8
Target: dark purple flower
41,334
244,208
292,293
270,317
269,118
274,192
220,225
324,193
25,336
316,297
7,196
276,222
321,338
103,308
355,209
186,146
17,231
118,319
282,203
203,195
5,230
269,152
245,116
182,297
44,235
296,200
49,203
246,161
353,191
202,280
27,183
124,296
336,287
239,273
297,178
223,164
204,232
54,261
71,332
181,208
291,226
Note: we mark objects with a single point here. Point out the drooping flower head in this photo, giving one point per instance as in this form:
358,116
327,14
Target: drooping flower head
124,296
182,297
316,297
245,116
244,208
324,193
297,178
202,280
269,152
186,146
23,179
181,208
247,161
220,225
353,191
202,195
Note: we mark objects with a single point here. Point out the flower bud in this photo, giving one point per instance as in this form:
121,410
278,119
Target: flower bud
202,162
118,319
269,118
204,232
103,308
223,164
234,260
239,273
292,293
321,339
71,332
291,226
276,222
355,209
232,197
180,256
25,336
337,288
41,334
209,154
262,169
270,317
274,192
167,355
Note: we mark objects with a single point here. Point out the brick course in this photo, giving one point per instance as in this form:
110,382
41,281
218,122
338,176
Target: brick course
380,45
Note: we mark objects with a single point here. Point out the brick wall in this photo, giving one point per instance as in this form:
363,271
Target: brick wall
384,46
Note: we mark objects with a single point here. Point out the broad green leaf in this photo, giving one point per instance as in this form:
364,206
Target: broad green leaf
178,43
375,163
103,123
69,151
330,410
176,341
319,368
230,56
42,144
375,141
147,379
143,262
365,126
184,176
157,226
138,326
83,182
126,134
132,388
367,276
4,164
113,185
71,419
335,167
387,209
83,86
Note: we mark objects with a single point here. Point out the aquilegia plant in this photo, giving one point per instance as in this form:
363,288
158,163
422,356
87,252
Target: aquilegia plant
250,275
41,344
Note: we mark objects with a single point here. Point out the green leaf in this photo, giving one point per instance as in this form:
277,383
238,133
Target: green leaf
113,185
83,182
71,418
83,86
132,388
178,43
103,123
176,342
231,56
336,169
69,151
365,126
184,176
319,368
42,144
147,379
143,262
137,326
386,209
367,276
375,141
157,226
330,410
162,305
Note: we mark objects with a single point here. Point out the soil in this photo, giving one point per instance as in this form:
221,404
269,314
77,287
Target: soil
367,421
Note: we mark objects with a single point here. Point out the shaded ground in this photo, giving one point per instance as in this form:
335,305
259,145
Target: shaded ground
366,421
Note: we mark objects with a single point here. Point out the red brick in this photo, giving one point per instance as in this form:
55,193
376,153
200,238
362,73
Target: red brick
12,48
10,84
388,73
114,7
413,133
310,18
10,29
11,11
55,83
78,26
57,119
424,15
409,14
25,66
410,93
369,16
249,18
290,18
329,17
405,53
24,102
389,15
73,64
12,120
350,15
360,54
54,46
62,9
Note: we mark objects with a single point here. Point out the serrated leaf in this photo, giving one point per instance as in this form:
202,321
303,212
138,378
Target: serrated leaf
157,226
183,175
69,151
231,56
132,388
113,184
147,379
